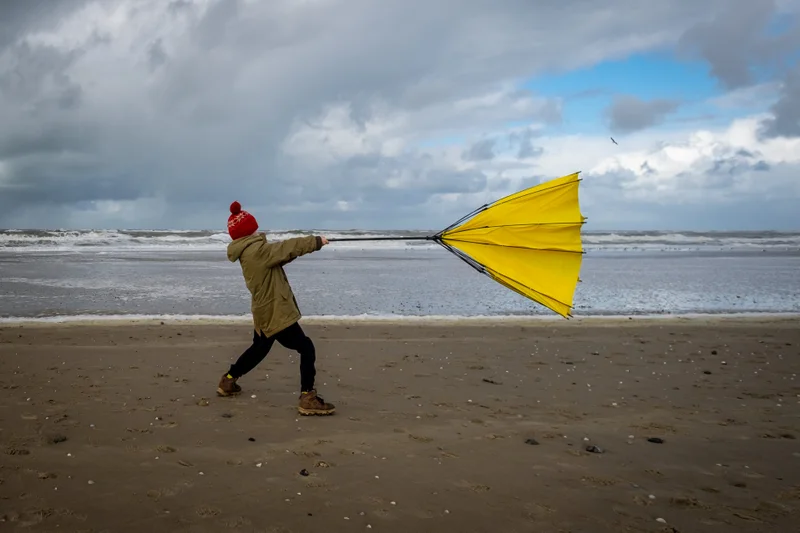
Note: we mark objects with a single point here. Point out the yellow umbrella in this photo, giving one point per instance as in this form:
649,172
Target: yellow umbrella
529,242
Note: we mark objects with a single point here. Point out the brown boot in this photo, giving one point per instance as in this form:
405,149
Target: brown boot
311,404
227,386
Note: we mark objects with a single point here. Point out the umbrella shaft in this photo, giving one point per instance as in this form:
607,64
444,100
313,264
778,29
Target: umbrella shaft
343,239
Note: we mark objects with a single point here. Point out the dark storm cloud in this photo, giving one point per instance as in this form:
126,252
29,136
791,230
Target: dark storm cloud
19,17
629,113
482,150
524,142
785,121
740,42
156,56
527,149
738,39
742,162
38,76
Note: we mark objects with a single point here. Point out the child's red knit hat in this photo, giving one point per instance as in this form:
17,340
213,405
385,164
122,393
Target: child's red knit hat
241,223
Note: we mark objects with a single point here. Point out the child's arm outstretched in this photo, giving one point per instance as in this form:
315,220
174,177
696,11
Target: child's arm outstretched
282,252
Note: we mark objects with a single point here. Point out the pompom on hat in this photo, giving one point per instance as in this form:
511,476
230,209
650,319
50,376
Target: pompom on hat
241,223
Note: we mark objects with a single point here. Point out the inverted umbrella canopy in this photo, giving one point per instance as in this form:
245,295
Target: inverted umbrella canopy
529,242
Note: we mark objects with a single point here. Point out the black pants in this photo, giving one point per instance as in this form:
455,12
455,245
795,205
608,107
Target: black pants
292,338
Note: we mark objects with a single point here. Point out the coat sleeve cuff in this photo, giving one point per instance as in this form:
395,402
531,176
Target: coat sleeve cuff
318,242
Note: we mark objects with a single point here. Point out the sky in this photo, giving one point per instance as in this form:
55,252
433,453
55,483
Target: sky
397,114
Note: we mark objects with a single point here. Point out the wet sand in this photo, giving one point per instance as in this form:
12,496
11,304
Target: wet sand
445,427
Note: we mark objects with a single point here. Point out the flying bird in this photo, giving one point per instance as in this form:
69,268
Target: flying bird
613,141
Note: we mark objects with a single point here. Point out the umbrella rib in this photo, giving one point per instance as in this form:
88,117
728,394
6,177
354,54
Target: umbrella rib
489,272
462,219
464,257
520,225
520,247
511,287
530,190
501,201
531,289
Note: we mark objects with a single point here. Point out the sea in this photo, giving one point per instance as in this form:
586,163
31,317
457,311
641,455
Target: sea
59,275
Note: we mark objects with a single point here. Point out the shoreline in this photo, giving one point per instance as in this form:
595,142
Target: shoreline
409,320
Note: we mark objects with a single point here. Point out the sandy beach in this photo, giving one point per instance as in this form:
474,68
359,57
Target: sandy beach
540,426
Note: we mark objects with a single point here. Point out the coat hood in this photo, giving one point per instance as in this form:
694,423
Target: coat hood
237,247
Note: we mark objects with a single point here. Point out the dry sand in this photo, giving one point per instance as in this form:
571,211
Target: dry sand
117,428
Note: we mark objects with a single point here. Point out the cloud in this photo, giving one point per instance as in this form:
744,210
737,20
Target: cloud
156,114
525,141
735,42
785,119
628,113
711,177
19,18
481,150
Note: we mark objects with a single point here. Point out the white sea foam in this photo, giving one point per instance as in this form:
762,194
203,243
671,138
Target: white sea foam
386,318
88,241
110,241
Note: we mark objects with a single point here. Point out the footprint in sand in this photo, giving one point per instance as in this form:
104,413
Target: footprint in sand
55,438
599,481
16,451
305,453
236,522
156,494
206,511
316,484
537,510
474,487
791,494
688,503
31,517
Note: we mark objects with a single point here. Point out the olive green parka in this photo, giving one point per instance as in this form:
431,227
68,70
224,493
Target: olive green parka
273,304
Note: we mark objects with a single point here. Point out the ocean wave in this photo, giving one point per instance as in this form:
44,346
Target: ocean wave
385,318
169,240
87,241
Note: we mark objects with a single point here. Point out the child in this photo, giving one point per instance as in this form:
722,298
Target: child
274,308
